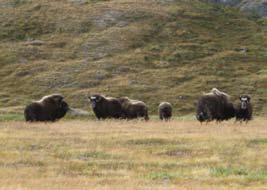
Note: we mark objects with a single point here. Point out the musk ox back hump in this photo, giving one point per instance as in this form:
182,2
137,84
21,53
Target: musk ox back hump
165,111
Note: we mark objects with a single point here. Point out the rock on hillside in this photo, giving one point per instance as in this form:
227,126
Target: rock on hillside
256,6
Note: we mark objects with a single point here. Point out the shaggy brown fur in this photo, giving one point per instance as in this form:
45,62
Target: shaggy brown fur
165,111
133,108
49,108
215,105
105,107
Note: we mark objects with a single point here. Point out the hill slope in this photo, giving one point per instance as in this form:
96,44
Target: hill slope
258,7
150,50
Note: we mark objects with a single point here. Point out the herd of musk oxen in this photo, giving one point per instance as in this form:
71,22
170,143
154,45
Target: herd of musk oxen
215,105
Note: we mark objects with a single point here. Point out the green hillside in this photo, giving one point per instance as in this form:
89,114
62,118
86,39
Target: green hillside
156,50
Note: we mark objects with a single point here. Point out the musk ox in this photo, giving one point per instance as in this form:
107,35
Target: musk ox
165,111
215,105
244,109
105,107
132,109
49,108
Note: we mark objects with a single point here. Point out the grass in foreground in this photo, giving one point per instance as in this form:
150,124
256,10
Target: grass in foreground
133,155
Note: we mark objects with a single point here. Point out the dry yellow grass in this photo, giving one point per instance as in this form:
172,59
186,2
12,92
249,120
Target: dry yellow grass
133,155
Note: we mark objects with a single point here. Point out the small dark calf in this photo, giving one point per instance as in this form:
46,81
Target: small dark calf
165,111
244,109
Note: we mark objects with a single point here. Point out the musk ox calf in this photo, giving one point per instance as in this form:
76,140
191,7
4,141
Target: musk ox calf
105,107
215,105
132,109
244,109
49,108
165,111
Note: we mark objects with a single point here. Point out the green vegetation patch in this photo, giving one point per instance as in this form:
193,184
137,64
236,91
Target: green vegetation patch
150,141
96,155
164,175
11,117
258,141
254,175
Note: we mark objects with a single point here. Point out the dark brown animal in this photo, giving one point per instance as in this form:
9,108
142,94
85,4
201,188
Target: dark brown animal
215,105
165,111
133,109
244,109
105,107
49,108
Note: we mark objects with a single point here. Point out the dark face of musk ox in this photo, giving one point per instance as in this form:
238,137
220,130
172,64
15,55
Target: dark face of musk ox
63,109
244,101
95,99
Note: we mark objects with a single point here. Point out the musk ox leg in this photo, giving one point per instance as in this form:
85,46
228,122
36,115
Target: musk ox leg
164,117
142,114
208,120
161,116
246,120
218,121
146,116
167,118
29,116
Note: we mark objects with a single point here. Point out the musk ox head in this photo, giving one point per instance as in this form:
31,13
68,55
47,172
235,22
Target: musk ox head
63,108
94,99
202,116
244,101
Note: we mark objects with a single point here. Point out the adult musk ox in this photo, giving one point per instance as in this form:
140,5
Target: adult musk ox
105,107
132,109
244,109
49,108
165,111
215,105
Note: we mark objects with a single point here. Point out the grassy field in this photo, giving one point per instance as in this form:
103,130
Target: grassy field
150,50
133,155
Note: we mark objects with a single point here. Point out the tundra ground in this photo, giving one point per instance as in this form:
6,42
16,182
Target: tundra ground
118,155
